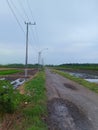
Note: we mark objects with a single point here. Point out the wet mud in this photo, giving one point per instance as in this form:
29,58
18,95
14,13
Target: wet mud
64,115
70,86
85,74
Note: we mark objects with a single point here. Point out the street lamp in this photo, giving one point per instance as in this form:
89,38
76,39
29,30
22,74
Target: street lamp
39,56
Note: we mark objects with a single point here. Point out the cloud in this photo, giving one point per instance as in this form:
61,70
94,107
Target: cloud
69,29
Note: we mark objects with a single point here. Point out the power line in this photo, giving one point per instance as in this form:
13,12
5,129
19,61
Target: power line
25,13
36,32
20,15
30,10
23,9
15,16
17,10
13,8
33,34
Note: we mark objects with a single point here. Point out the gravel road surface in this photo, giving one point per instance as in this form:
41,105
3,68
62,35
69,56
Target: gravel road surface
70,105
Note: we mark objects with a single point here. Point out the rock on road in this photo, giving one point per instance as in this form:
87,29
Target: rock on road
71,106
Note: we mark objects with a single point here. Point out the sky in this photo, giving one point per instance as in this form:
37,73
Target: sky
68,28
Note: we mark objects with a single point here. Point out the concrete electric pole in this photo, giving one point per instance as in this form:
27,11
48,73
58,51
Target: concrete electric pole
26,58
39,57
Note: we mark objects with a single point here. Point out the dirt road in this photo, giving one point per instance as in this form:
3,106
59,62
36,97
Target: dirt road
70,106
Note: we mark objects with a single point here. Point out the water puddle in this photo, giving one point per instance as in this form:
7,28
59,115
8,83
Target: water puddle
64,115
92,80
87,77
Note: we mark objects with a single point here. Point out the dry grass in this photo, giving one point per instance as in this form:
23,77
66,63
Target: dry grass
21,89
10,119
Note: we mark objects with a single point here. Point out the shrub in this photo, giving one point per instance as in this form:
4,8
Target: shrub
9,97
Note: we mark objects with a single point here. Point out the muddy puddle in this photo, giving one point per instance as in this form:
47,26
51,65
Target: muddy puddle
70,86
88,77
64,115
91,76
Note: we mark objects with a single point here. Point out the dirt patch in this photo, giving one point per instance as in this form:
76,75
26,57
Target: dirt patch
21,89
11,119
64,115
70,86
12,77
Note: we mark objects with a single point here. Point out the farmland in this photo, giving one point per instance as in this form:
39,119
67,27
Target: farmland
9,71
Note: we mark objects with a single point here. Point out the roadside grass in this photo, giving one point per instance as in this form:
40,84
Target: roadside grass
91,86
34,110
9,71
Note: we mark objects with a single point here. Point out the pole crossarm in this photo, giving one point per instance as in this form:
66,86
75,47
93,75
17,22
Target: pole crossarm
29,23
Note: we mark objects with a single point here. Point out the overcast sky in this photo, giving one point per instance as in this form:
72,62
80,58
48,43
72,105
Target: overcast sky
68,28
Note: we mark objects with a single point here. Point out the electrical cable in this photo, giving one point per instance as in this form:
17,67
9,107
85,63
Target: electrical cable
28,4
23,9
17,10
15,16
36,32
19,13
11,6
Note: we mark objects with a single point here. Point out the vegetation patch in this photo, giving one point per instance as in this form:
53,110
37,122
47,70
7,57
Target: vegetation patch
9,71
10,100
36,110
32,112
91,86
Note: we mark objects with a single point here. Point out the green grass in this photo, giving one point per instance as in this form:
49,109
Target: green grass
35,111
91,86
9,71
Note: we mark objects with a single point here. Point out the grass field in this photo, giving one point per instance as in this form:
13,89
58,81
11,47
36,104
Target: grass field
91,86
9,71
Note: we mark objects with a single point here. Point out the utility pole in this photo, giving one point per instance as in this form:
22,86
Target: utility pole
43,62
39,58
26,58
